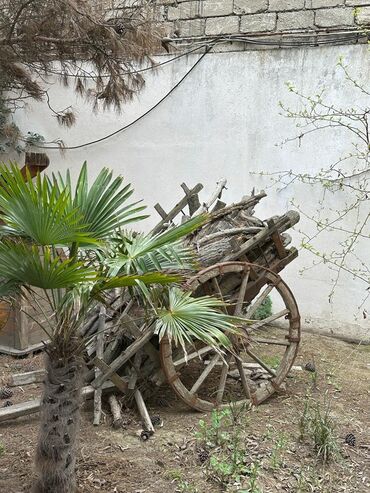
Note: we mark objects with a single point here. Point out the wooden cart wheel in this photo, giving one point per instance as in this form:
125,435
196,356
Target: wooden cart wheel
259,360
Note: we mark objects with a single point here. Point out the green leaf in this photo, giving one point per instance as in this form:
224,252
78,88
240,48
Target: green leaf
185,319
146,253
132,280
103,206
8,288
38,210
22,263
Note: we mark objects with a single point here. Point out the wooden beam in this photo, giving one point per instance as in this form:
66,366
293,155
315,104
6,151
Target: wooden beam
31,407
99,351
20,379
147,422
124,357
193,200
160,211
113,376
178,208
276,238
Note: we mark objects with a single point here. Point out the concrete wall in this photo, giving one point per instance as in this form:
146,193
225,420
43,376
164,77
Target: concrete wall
223,120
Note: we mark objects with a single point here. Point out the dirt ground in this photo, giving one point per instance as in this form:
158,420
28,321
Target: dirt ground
117,461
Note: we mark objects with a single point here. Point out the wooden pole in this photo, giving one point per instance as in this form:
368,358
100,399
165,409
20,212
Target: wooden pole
147,422
99,354
33,406
116,411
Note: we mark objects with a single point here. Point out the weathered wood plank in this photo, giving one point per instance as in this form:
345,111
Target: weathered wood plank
20,379
33,406
107,373
99,354
124,357
147,422
193,200
116,412
178,208
285,222
282,253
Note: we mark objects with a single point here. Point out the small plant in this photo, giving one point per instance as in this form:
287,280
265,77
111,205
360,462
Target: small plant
317,423
263,311
322,431
213,434
222,437
182,486
276,454
2,449
254,470
314,380
272,361
186,487
304,419
308,481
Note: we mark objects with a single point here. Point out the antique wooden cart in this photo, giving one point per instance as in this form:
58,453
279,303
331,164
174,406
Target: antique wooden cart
242,257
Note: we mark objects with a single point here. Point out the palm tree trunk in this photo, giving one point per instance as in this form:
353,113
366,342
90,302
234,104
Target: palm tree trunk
59,427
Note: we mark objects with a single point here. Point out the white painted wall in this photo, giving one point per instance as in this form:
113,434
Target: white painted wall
224,121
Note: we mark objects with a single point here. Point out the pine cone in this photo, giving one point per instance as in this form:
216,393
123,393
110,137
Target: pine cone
350,440
310,367
5,393
203,456
7,404
145,435
156,420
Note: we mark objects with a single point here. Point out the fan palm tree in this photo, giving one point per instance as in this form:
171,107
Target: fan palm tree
62,247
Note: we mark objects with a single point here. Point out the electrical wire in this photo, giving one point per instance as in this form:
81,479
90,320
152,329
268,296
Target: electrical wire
101,139
138,71
339,38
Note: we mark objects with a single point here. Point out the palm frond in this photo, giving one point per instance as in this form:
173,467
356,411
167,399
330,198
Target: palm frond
146,253
133,281
103,206
185,319
9,288
22,263
34,209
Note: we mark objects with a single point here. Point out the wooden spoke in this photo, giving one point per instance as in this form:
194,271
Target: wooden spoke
239,365
260,362
205,373
222,383
268,320
218,291
275,342
243,288
195,354
252,309
206,384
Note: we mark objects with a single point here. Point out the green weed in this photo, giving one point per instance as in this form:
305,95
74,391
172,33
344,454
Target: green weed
222,436
272,361
317,424
182,486
215,432
277,451
263,311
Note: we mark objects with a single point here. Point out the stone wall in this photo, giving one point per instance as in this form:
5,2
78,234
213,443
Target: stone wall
193,18
209,18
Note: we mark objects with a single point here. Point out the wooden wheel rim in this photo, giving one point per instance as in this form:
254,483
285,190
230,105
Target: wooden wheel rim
271,386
